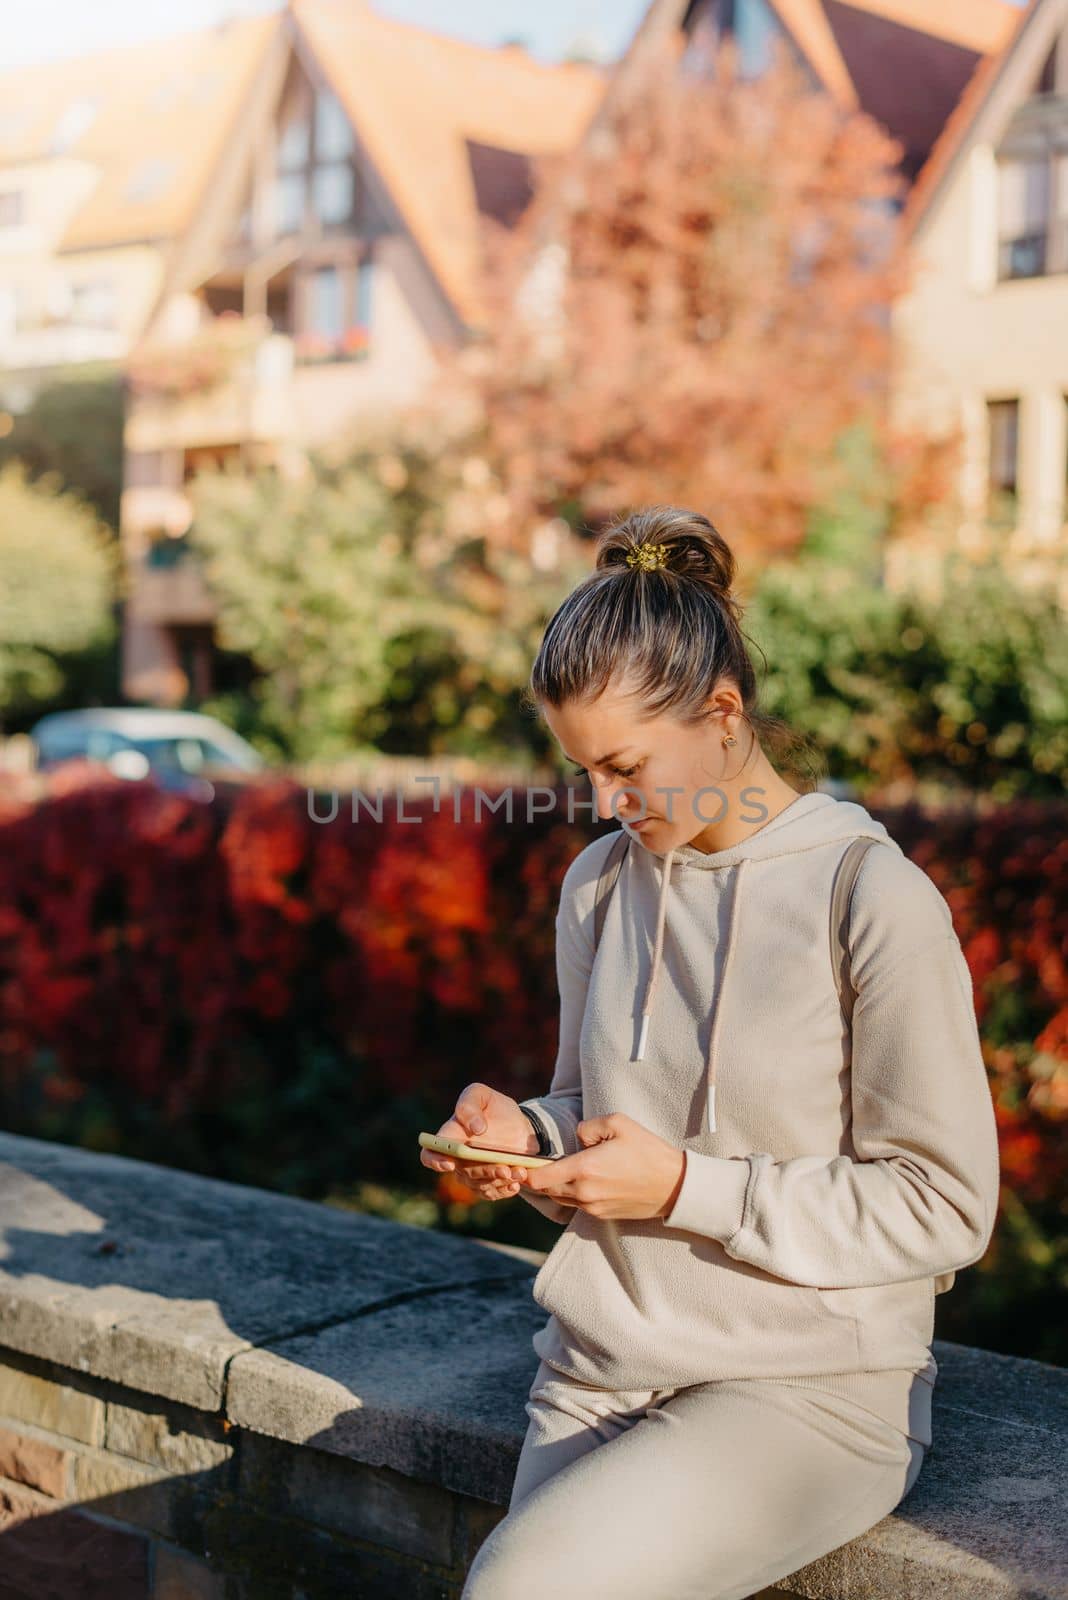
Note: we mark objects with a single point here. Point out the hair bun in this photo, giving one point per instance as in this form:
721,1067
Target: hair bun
689,546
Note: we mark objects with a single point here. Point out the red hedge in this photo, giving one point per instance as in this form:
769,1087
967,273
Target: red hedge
162,949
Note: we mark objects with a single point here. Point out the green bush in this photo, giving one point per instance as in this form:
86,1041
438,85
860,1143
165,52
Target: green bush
969,692
371,623
58,578
72,429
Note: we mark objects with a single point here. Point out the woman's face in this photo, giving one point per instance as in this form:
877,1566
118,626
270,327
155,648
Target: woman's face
653,768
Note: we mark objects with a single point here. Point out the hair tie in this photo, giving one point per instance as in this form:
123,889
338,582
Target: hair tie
648,556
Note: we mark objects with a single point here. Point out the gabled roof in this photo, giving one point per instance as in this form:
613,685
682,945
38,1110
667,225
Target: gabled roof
151,119
416,98
445,124
911,61
979,25
905,62
954,137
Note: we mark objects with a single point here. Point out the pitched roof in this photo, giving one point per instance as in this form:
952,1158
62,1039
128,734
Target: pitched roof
416,99
979,25
954,135
905,62
911,62
151,119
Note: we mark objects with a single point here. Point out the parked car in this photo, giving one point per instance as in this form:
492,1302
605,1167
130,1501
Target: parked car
180,750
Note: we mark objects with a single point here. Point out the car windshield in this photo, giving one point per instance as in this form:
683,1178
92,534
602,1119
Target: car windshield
186,754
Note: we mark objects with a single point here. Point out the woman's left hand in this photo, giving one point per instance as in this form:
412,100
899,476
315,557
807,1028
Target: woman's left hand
625,1172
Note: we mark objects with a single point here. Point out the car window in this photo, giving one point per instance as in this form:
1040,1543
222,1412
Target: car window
216,756
165,754
185,754
61,744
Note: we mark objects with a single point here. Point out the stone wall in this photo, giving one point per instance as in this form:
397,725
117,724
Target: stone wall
207,1390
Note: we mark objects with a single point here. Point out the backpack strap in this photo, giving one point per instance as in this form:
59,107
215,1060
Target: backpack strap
613,861
841,898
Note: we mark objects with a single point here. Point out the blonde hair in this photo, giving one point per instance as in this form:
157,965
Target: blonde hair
669,632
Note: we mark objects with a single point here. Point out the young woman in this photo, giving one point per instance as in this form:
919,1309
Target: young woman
762,1182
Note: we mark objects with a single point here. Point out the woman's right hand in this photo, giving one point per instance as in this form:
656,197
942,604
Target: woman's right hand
492,1118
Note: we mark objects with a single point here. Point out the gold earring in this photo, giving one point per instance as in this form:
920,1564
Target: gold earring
730,739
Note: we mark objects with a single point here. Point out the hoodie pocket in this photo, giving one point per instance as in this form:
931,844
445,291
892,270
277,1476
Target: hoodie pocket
643,1307
893,1321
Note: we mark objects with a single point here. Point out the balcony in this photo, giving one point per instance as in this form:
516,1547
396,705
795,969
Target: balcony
231,383
169,588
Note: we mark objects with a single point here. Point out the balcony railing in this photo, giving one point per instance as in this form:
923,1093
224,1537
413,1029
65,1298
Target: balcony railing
169,587
238,390
218,351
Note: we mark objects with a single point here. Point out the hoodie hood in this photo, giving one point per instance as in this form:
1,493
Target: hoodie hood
809,821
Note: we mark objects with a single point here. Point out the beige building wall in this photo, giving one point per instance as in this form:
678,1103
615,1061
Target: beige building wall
962,339
39,322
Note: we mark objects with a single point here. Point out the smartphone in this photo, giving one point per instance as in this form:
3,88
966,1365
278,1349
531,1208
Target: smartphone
490,1154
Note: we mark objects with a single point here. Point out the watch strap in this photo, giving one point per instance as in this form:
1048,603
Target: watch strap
545,1144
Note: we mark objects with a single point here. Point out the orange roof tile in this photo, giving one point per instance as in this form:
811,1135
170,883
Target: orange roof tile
414,97
164,111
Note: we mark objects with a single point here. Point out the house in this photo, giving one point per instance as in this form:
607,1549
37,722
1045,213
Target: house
333,253
982,336
103,160
976,92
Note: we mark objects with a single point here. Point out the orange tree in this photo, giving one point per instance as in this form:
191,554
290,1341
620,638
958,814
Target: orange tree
695,308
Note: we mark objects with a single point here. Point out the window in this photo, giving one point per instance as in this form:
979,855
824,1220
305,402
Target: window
289,203
314,163
1003,448
333,133
364,274
12,208
93,303
333,190
326,310
336,312
1032,180
1023,218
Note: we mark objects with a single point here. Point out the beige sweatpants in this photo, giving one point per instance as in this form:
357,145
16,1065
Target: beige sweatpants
708,1492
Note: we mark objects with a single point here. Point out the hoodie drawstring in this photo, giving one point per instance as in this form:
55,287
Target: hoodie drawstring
654,973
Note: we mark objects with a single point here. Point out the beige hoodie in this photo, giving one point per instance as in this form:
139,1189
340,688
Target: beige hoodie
831,1174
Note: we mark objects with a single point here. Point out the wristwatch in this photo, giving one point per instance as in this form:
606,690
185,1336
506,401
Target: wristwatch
545,1144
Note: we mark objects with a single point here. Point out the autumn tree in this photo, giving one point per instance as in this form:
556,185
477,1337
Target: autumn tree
696,307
